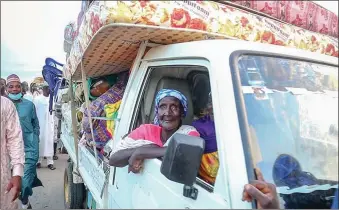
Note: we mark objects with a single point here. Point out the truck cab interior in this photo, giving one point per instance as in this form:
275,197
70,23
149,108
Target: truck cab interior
172,77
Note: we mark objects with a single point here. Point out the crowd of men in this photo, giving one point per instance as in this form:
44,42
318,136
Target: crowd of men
28,135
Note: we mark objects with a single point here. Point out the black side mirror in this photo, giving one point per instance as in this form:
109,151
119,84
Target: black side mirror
182,159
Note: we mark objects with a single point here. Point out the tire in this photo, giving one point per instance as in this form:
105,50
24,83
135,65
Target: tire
74,194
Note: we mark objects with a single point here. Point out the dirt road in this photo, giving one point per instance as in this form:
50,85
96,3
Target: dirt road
51,195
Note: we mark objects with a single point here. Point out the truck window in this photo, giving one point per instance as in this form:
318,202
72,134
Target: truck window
193,82
292,121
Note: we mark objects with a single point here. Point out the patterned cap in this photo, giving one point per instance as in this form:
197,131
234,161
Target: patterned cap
13,78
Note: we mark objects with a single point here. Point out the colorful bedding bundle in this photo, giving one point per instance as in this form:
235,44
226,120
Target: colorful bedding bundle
111,111
202,16
97,108
305,14
72,28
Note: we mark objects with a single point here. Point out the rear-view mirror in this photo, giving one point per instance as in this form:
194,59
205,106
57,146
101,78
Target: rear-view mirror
182,159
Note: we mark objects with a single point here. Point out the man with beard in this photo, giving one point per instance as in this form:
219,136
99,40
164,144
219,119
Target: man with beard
31,130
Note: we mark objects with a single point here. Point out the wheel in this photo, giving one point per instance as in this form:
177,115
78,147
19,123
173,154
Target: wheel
74,194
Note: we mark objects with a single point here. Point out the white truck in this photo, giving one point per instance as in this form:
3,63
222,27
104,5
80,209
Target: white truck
264,99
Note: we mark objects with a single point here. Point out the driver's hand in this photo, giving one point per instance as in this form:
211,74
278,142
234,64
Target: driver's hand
264,193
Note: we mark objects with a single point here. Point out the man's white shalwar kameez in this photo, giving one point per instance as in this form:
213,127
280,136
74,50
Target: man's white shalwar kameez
46,122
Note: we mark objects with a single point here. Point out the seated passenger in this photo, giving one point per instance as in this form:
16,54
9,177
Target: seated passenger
111,96
149,141
210,161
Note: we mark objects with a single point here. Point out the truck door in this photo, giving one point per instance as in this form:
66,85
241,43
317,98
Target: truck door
150,189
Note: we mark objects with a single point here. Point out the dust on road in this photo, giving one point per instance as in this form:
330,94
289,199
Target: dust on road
51,195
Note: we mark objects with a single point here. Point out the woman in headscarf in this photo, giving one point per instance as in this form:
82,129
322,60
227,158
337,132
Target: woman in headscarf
150,140
31,130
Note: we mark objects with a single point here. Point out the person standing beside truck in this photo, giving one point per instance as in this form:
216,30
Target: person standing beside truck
46,121
25,91
34,90
12,153
31,130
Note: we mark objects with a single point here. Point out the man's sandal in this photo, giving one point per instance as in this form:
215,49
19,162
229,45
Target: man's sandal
50,166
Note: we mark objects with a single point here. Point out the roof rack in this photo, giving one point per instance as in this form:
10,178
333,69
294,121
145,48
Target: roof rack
114,47
111,32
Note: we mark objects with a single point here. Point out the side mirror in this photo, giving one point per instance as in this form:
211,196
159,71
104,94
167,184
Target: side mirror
182,159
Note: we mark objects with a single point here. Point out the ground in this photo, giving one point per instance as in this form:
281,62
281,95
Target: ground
51,195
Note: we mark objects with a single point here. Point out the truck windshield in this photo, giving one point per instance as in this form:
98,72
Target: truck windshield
292,115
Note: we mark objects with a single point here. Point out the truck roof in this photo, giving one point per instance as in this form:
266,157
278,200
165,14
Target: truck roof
193,49
112,31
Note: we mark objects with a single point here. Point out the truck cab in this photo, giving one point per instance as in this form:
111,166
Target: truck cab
274,109
235,121
253,126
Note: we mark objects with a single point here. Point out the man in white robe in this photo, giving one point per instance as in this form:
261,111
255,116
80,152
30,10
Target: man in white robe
46,122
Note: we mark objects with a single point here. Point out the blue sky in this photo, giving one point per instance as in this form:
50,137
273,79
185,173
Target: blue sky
32,31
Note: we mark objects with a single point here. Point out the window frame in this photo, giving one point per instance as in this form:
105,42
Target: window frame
149,68
240,103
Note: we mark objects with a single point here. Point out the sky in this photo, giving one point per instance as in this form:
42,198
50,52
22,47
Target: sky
33,30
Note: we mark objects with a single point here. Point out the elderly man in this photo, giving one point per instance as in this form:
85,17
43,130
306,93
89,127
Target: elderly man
46,120
31,130
12,154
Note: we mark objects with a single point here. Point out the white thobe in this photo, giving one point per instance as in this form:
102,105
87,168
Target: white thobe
46,122
28,96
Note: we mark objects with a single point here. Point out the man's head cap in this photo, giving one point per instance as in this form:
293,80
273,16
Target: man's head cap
13,78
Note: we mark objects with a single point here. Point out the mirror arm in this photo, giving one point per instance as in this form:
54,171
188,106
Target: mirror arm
190,192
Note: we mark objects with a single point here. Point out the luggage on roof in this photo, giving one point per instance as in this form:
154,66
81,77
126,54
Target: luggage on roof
111,31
